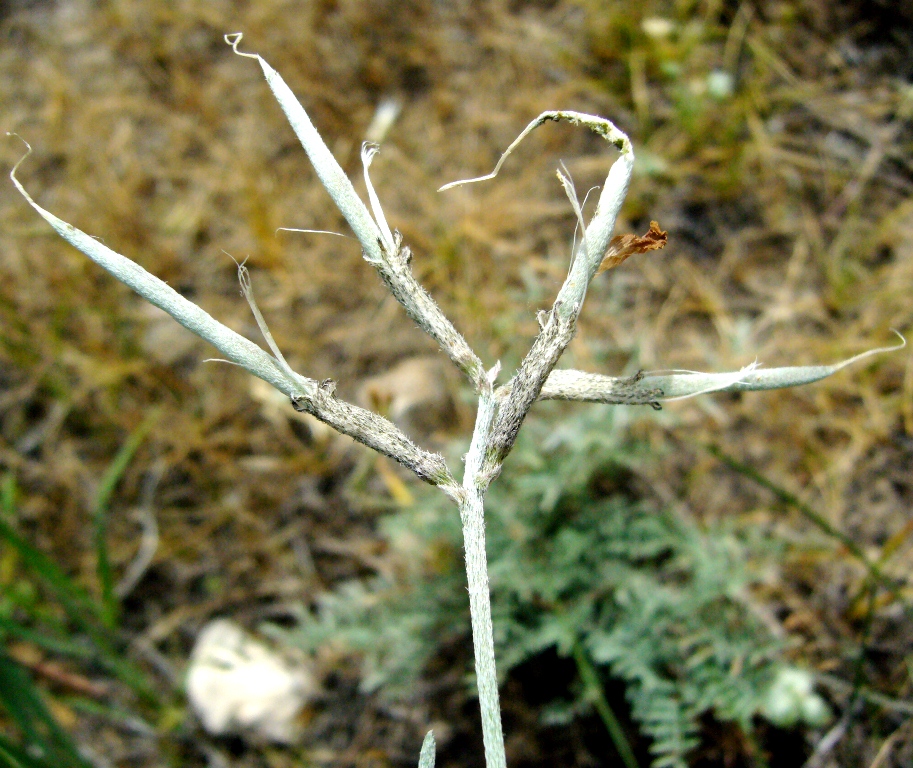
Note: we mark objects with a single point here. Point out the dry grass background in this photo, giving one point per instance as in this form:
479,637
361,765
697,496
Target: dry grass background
787,204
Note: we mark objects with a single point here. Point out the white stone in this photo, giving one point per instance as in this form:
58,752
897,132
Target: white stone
237,685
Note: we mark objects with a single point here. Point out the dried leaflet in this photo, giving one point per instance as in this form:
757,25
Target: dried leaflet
622,246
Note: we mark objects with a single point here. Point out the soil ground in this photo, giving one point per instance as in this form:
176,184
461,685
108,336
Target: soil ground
774,145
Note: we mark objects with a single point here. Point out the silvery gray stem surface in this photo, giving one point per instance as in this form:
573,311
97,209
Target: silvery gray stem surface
472,515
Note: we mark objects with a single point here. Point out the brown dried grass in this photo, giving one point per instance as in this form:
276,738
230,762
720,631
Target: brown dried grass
786,207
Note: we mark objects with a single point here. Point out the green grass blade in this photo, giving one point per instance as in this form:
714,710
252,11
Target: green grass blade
12,756
47,639
874,571
78,604
81,609
112,714
106,657
110,611
8,494
41,732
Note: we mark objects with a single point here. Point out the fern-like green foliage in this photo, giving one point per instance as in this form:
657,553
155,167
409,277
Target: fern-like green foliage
579,566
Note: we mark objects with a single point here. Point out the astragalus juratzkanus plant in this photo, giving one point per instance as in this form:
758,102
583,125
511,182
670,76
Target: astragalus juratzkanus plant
502,407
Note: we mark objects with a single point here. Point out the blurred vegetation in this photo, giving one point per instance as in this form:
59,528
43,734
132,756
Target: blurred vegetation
774,145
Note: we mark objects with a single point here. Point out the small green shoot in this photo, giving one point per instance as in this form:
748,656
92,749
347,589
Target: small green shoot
110,608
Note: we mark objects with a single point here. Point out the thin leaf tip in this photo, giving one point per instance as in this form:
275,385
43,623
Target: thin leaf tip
234,39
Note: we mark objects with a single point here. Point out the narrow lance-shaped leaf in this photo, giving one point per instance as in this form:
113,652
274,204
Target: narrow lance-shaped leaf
381,248
652,388
329,171
235,347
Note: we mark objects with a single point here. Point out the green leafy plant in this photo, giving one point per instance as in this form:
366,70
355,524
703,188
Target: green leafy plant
579,565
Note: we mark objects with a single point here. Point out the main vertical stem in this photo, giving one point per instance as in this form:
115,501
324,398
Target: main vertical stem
482,630
473,517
